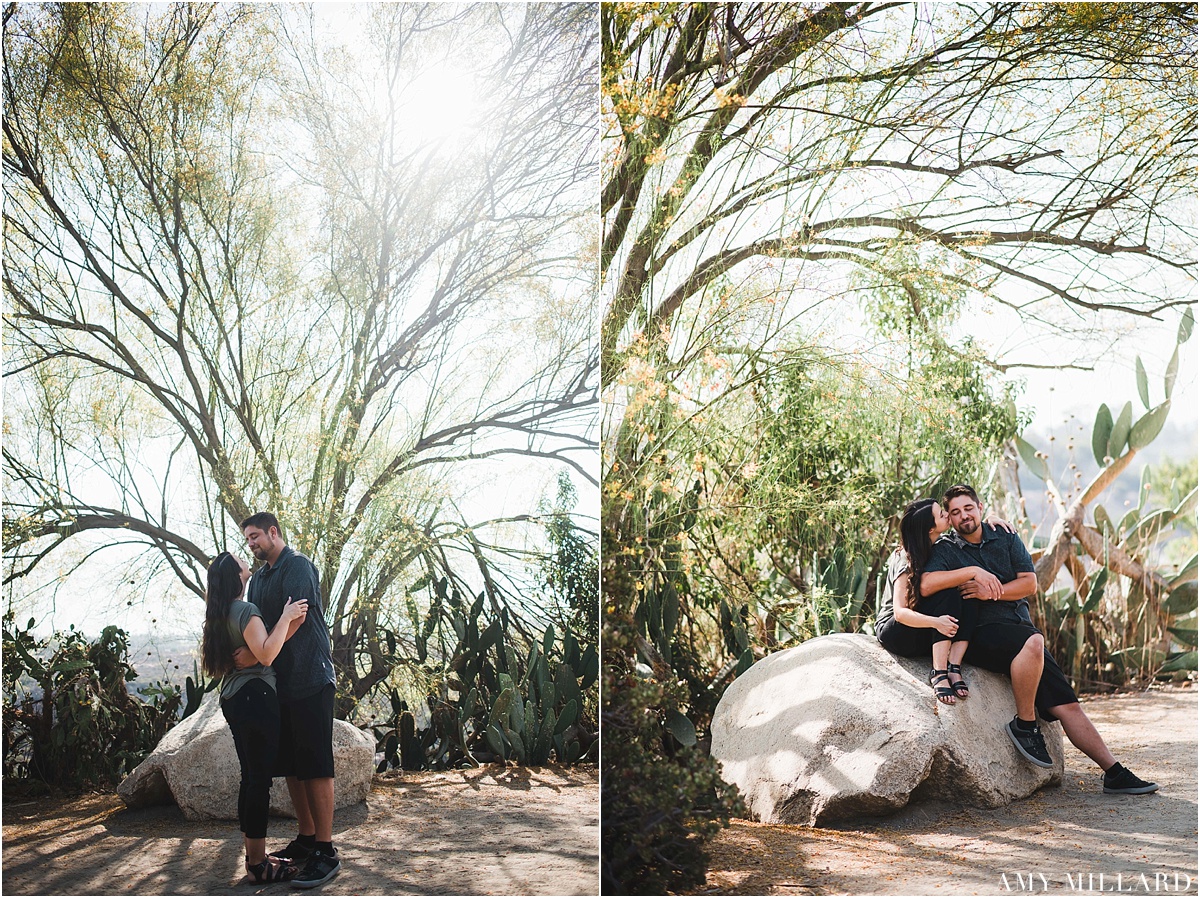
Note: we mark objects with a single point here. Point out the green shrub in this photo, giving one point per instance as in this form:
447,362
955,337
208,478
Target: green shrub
661,800
69,720
496,695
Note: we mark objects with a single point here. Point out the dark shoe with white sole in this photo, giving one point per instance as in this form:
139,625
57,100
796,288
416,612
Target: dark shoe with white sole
1120,780
319,869
1029,743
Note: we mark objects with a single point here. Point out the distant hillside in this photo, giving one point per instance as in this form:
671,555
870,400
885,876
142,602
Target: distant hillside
158,657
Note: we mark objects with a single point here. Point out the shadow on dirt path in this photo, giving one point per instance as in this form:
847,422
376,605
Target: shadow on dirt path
518,831
1071,835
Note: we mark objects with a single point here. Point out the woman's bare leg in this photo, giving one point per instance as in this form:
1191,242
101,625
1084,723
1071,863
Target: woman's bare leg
941,653
958,648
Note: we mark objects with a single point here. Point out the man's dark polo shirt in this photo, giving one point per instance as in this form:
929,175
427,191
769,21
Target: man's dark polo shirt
1001,553
305,663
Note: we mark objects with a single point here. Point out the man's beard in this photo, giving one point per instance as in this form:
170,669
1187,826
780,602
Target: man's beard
259,553
966,529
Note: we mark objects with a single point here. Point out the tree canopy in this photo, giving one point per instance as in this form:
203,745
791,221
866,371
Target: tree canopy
1040,156
244,271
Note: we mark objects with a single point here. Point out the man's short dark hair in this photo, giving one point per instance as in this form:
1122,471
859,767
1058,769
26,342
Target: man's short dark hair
264,521
960,490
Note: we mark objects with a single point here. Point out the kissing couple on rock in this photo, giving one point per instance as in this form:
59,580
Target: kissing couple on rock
958,589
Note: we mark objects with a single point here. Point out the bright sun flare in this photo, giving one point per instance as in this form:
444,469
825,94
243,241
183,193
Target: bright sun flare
440,104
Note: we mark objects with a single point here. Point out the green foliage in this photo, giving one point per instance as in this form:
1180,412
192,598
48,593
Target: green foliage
570,572
1127,618
845,447
1182,599
1147,427
535,716
1120,431
1171,481
661,796
736,635
1180,661
913,291
69,720
196,689
1095,591
1101,431
411,748
845,578
1143,384
500,697
1033,459
1171,373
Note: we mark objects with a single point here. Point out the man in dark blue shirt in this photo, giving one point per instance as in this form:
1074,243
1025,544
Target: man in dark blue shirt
305,680
1006,641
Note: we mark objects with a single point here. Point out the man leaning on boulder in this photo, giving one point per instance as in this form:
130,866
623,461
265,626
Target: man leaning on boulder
1006,641
305,680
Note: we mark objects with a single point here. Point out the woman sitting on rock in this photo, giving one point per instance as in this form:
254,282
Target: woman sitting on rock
248,698
911,626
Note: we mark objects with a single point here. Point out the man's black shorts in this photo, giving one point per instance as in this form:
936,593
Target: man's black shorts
306,736
993,647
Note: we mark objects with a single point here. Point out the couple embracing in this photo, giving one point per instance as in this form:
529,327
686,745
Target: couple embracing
958,588
270,645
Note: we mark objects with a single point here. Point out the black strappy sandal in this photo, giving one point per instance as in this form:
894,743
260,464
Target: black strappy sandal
272,869
942,692
961,689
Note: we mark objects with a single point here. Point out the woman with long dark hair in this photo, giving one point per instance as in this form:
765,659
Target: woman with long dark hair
941,624
248,698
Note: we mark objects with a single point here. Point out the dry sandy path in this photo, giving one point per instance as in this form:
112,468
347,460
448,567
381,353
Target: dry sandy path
488,831
1074,829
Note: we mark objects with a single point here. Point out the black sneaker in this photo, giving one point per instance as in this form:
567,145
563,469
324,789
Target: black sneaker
1119,780
321,868
295,851
1029,743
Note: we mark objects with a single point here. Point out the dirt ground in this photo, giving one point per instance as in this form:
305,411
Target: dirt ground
530,832
1070,835
478,832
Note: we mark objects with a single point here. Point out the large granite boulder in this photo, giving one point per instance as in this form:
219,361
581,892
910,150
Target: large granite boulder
839,728
196,765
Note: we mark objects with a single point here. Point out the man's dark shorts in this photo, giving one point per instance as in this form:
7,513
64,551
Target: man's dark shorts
993,647
306,736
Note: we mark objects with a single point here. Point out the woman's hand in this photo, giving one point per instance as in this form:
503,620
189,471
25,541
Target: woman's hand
946,625
294,610
265,646
997,521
